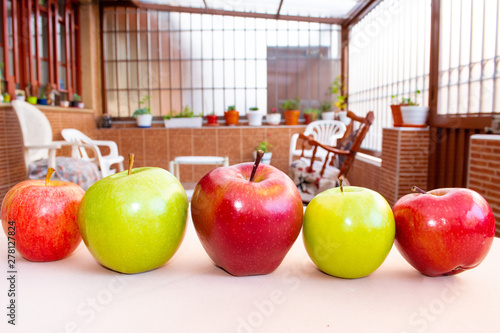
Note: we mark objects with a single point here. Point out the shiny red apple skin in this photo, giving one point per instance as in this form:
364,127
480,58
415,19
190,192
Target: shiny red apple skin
444,232
246,227
45,218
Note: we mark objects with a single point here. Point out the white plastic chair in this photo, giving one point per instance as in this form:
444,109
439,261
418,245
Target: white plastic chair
37,134
77,138
326,132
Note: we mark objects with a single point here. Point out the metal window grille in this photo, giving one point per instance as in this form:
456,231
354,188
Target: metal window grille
469,57
210,62
388,55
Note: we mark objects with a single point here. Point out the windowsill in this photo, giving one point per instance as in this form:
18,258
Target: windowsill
157,124
52,108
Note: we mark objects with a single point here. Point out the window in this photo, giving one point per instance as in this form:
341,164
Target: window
388,55
43,51
210,62
469,57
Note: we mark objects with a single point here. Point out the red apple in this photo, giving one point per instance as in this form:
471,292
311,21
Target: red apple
247,223
444,231
41,217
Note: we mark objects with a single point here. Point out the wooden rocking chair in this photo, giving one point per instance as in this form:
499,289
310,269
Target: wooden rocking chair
312,176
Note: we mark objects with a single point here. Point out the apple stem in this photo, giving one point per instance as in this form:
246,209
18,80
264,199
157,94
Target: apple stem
50,171
260,153
341,184
417,189
130,163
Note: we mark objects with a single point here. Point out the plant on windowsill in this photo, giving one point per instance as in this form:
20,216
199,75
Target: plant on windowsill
29,97
311,115
266,148
408,112
291,112
341,99
231,116
185,119
273,118
42,96
326,111
254,116
212,119
77,101
143,115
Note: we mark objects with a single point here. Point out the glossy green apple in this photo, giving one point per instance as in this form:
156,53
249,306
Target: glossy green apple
348,234
134,223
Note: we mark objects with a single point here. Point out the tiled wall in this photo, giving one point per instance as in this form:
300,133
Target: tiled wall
405,155
157,146
484,171
12,168
365,174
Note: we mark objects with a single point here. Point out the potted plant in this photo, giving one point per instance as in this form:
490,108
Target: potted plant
42,96
413,114
212,119
143,115
185,119
76,102
397,121
311,115
231,116
22,97
341,100
64,102
273,118
6,97
265,147
254,116
326,113
291,109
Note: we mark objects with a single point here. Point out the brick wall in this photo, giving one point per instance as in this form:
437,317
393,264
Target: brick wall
12,166
405,154
484,171
365,173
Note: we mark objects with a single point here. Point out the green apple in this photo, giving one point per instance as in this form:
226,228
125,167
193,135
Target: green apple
134,222
348,233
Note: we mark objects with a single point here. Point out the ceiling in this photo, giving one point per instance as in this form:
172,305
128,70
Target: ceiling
325,11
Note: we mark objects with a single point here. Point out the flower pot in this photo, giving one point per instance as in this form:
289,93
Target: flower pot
310,117
397,121
144,120
42,101
254,118
64,104
273,118
212,120
31,99
344,118
193,122
292,117
414,115
6,98
81,105
330,115
266,158
74,104
231,117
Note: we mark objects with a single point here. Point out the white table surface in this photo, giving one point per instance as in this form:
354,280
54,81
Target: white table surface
190,294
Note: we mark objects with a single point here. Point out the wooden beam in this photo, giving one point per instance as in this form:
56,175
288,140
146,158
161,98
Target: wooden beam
359,11
434,63
193,10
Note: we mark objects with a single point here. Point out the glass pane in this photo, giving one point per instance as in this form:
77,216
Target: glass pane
62,77
44,36
61,44
61,4
44,71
